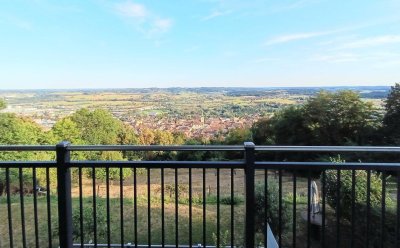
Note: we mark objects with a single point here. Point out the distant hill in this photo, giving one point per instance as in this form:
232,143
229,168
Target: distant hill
377,92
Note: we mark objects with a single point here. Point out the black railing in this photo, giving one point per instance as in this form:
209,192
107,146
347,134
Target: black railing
229,202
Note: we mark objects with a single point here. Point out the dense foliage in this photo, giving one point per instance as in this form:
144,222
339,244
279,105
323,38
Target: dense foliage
272,198
326,119
360,192
391,120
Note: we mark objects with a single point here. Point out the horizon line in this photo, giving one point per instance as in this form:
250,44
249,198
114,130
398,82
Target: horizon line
201,87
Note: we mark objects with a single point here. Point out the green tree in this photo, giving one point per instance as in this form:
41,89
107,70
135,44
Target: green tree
340,118
97,127
391,119
66,129
238,136
3,104
326,119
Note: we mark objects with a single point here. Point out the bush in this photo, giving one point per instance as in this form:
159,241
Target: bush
14,180
272,208
88,223
114,173
360,201
360,190
228,200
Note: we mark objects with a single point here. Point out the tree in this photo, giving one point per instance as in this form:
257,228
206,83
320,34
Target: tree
97,127
238,136
340,118
66,129
326,119
16,130
391,119
3,104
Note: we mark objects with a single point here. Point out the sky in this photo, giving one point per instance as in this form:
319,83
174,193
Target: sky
198,43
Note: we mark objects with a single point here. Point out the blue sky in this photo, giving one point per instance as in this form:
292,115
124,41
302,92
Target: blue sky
163,43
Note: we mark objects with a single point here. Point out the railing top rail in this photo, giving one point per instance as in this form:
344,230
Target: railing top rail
34,148
202,148
329,148
155,148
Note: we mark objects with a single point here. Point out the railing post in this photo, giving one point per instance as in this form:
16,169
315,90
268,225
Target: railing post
250,195
64,195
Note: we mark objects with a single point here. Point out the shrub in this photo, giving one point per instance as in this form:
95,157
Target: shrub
223,239
272,208
114,173
228,200
14,180
88,223
360,201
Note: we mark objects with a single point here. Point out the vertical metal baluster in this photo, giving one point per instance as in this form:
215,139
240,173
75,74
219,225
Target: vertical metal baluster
266,206
94,207
135,207
308,210
190,208
232,207
162,210
353,199
35,210
249,158
383,208
280,208
338,210
148,208
108,206
368,207
294,207
21,195
323,208
218,210
81,207
176,209
65,225
10,224
121,203
398,211
204,208
48,203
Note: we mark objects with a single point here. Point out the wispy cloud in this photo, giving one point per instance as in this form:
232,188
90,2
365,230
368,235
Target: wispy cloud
162,25
130,9
17,22
216,13
370,41
336,58
144,20
344,57
308,35
264,60
294,5
296,36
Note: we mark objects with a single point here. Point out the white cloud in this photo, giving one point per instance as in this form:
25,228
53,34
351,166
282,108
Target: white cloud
143,19
263,60
337,58
371,41
216,13
162,25
296,36
131,9
343,57
294,5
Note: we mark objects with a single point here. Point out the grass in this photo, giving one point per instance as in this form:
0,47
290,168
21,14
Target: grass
128,220
169,206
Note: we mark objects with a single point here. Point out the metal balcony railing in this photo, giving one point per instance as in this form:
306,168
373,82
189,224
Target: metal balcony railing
229,202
